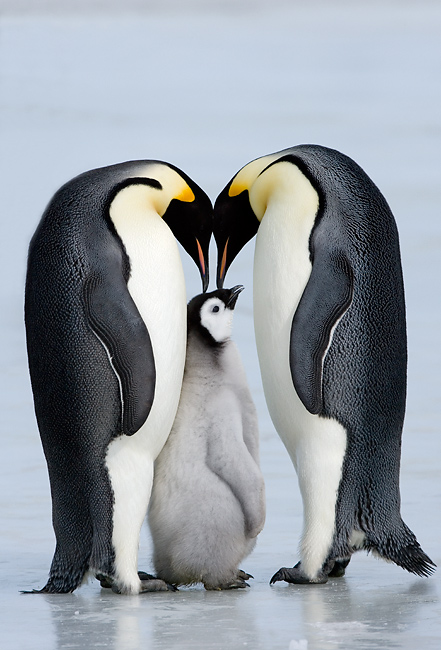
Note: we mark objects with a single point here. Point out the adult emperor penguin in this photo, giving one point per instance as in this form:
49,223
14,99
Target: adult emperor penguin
330,329
208,502
105,314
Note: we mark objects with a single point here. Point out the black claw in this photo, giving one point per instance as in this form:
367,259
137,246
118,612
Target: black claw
244,575
296,577
278,576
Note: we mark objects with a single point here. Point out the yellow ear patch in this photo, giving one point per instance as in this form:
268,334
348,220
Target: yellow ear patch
236,188
186,195
246,176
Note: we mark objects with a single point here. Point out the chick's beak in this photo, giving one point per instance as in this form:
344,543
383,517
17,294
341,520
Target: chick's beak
235,291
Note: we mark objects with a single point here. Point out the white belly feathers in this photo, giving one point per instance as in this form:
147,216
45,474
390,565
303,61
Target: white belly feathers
316,445
157,286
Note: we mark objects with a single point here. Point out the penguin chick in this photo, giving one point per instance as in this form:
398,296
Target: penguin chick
208,500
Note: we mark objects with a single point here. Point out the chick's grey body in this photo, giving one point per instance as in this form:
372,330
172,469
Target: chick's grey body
207,504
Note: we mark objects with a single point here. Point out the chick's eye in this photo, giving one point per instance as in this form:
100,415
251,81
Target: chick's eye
215,308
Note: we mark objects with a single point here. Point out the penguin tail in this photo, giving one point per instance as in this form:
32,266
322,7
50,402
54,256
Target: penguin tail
402,548
414,560
58,585
64,583
68,569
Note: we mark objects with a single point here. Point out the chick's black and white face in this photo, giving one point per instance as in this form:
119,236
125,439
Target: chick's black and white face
217,318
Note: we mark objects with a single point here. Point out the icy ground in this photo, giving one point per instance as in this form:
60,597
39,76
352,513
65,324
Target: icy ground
209,86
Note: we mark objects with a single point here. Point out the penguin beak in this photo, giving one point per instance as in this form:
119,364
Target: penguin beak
203,267
234,225
222,266
235,291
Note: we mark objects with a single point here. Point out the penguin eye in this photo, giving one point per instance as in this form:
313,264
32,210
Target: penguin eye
215,308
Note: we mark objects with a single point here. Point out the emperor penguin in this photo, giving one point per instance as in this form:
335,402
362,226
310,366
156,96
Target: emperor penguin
105,314
208,501
329,318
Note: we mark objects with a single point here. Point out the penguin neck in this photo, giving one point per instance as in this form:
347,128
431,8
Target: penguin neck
137,225
282,264
204,362
151,247
284,189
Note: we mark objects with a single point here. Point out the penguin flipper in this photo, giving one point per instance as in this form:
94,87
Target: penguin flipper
116,322
228,457
325,299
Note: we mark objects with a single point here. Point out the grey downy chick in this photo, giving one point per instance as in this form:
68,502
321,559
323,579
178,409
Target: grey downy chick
208,499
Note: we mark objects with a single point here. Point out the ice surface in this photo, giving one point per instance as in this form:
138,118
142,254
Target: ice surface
209,86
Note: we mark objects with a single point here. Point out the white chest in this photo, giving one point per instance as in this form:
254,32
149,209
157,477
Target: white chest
316,445
281,271
157,286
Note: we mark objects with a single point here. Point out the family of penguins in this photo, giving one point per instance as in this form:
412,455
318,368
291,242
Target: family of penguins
142,402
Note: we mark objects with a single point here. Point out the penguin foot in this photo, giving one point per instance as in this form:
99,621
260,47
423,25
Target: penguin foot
244,575
152,583
339,568
295,576
105,581
148,583
239,582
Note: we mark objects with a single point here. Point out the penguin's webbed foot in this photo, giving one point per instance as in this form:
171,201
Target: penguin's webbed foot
295,576
339,568
244,575
149,583
238,582
152,583
105,581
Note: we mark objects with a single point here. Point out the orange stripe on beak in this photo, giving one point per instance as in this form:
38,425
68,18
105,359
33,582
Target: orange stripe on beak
201,257
224,260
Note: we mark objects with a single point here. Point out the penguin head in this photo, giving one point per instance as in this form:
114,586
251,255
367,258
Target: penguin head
211,314
241,206
235,221
190,217
182,204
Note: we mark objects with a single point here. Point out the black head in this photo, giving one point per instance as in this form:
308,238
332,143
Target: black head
211,314
190,218
236,216
234,225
